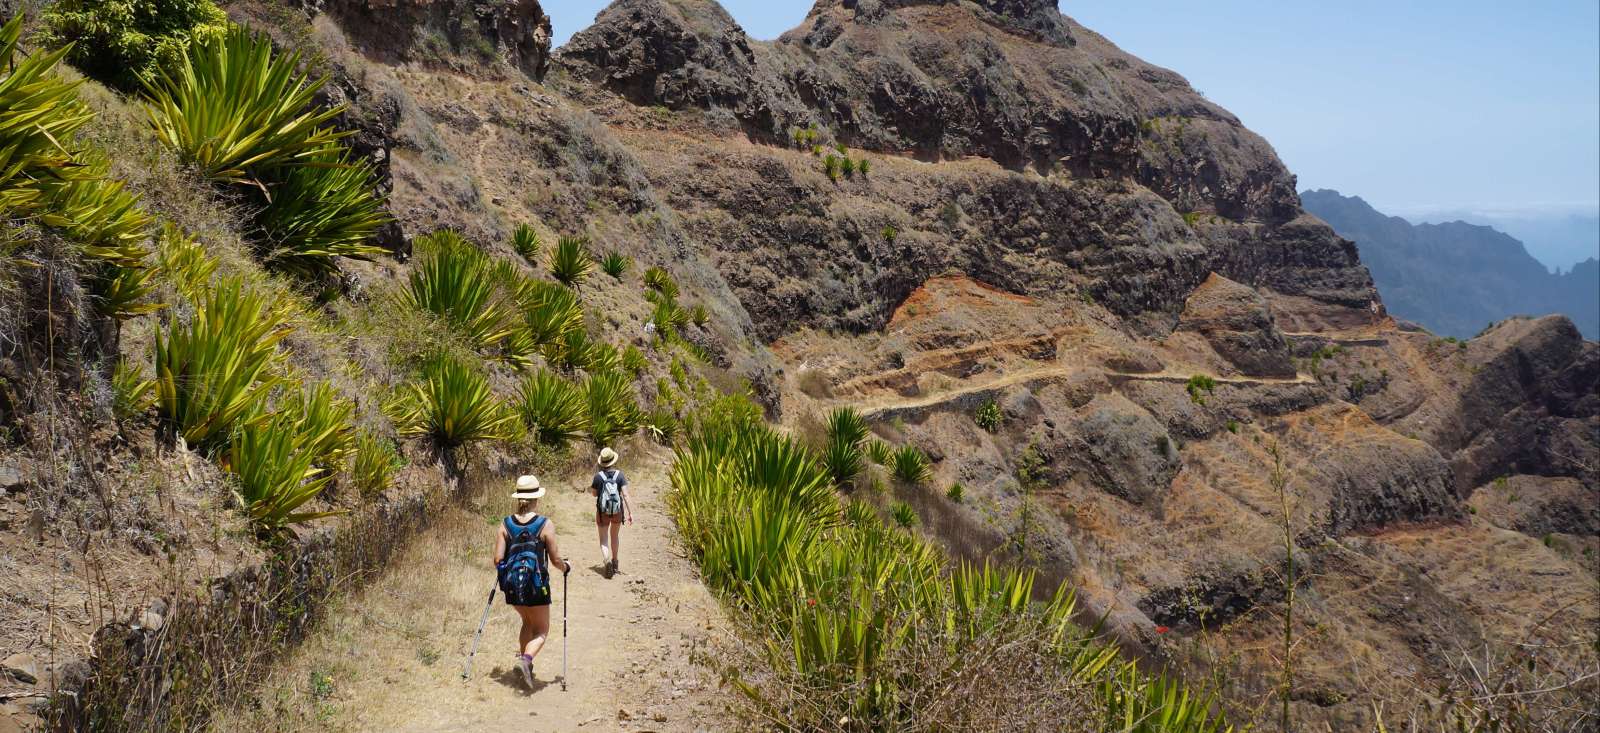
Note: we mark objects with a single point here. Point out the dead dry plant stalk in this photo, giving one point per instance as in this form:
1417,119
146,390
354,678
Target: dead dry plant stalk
1280,484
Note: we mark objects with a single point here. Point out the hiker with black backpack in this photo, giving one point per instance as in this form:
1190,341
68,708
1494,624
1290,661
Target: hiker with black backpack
524,549
611,509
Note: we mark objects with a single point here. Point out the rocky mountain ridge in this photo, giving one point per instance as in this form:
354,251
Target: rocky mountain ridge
1455,277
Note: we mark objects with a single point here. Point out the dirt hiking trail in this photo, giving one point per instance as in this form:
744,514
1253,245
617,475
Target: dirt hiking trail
390,656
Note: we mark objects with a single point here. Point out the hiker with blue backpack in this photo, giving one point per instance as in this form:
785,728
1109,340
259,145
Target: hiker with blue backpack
611,509
523,552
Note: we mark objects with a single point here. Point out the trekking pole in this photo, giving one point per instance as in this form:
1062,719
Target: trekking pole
466,674
564,574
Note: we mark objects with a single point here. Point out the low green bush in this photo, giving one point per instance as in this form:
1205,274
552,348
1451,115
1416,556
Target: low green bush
903,515
121,42
989,416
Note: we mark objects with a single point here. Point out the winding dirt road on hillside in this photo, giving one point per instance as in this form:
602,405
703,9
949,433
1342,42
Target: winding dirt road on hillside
390,657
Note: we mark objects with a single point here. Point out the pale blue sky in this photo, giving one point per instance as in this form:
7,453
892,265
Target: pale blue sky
1416,106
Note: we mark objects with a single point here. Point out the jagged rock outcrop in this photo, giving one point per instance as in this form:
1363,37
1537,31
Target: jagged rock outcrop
516,31
948,80
1236,321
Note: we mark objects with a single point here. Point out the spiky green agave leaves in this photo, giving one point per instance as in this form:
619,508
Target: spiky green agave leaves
842,454
570,262
910,466
613,411
525,242
557,411
615,264
454,281
276,473
453,405
244,116
233,109
212,368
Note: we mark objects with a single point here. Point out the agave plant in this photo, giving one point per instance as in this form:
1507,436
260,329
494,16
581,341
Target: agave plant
454,281
880,452
661,282
130,389
212,368
120,292
842,454
38,110
602,357
453,405
613,412
184,261
525,241
276,474
323,420
570,262
634,360
234,109
556,410
323,208
375,464
550,312
614,264
910,466
571,352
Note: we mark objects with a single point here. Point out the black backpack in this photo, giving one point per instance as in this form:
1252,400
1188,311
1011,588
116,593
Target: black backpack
524,573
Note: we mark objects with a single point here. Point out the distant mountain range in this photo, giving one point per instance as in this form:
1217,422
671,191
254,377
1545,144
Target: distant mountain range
1456,278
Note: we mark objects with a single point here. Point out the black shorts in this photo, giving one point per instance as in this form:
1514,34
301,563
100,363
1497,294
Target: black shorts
531,595
520,588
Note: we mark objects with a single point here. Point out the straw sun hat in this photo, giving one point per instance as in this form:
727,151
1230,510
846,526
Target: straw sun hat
608,458
527,488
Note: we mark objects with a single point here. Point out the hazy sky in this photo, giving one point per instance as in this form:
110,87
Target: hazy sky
1415,106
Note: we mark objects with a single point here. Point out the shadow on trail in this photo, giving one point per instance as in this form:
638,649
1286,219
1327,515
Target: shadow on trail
509,677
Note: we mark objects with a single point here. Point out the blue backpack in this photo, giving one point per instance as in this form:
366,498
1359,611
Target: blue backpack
524,574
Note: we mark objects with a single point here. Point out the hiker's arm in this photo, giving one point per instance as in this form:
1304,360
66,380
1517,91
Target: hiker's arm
499,547
627,507
550,546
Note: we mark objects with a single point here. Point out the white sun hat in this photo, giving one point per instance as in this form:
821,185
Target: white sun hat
527,488
608,458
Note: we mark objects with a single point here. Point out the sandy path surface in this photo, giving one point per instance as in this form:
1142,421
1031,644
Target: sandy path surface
390,658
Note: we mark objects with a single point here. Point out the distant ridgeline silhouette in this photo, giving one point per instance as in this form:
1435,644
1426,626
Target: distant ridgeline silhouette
1456,278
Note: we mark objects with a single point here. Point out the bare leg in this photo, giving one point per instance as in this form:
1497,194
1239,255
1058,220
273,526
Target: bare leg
616,540
525,634
605,549
538,628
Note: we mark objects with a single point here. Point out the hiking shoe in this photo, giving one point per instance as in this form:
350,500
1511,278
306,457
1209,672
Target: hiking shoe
525,666
611,567
616,565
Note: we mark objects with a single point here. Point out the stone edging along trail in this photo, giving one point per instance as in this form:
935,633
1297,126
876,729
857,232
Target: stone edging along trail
390,657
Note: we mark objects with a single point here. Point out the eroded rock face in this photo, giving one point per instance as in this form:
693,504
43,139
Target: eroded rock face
952,80
1236,321
517,31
